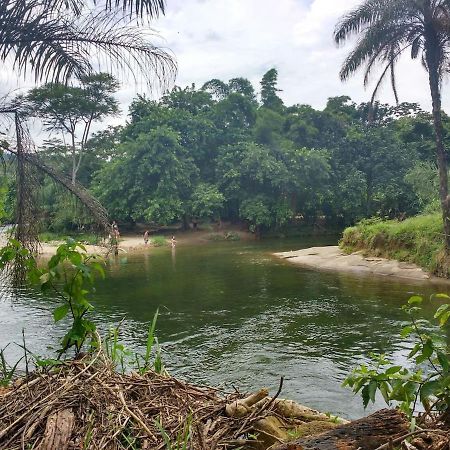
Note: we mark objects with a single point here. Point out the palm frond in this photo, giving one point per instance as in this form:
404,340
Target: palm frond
375,44
139,8
56,47
358,19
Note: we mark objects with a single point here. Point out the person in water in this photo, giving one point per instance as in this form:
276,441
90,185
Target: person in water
146,235
173,241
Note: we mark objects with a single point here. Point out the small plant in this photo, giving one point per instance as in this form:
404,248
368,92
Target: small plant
429,380
115,351
70,273
158,241
7,372
183,437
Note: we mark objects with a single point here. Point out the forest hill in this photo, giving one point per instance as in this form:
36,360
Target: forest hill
222,151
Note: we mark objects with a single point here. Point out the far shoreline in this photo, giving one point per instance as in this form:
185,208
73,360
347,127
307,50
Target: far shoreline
134,242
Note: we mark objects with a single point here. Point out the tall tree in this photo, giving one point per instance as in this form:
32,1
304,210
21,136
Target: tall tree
269,97
387,29
72,110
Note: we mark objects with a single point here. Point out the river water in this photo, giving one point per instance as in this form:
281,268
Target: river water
232,315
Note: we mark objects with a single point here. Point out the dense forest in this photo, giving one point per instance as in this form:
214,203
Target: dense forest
224,151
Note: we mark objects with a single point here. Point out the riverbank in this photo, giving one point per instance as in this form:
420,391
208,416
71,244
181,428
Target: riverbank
333,258
134,243
417,240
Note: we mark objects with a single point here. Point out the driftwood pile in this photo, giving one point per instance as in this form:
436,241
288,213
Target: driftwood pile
86,404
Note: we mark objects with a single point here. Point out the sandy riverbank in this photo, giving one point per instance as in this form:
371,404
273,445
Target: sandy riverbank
134,243
332,258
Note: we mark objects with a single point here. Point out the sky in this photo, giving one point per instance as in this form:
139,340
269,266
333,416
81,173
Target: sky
244,38
230,38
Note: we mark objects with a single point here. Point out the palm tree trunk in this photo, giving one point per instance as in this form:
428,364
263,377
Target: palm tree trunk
433,75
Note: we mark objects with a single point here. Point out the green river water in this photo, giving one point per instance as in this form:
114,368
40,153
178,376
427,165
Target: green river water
232,315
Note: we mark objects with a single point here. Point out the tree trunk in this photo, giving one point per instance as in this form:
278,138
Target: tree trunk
367,433
432,59
74,161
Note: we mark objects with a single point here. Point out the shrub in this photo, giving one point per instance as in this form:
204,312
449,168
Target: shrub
158,241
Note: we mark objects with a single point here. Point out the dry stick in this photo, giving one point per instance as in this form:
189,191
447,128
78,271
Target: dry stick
266,406
30,408
128,410
263,408
406,436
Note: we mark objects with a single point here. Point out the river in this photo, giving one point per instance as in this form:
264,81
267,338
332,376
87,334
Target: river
232,315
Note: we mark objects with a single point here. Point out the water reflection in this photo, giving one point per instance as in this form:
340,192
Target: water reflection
233,314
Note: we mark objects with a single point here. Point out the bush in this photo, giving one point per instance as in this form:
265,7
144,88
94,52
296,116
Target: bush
84,238
227,236
158,241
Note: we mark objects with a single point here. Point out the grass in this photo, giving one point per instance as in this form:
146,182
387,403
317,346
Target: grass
85,238
158,241
418,240
226,236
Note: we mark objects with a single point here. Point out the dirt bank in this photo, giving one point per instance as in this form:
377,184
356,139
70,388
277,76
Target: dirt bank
334,259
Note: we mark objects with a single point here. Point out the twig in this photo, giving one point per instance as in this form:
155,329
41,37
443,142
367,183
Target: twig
406,436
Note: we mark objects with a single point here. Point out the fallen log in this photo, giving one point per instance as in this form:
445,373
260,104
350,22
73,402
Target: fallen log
58,430
367,433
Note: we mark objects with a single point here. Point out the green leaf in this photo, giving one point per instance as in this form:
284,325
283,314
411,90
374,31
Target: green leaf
447,297
75,258
443,361
406,331
393,369
365,395
44,278
60,312
428,348
428,389
372,390
441,310
444,318
415,300
414,350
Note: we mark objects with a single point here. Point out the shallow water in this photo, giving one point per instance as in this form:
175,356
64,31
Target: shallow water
231,314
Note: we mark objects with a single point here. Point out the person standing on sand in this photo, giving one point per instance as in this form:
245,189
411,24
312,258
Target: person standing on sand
173,241
115,229
146,234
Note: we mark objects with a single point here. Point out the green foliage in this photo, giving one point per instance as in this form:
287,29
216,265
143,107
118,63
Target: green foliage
215,152
427,381
269,97
206,201
71,110
418,240
183,437
424,181
257,211
70,273
7,372
83,238
228,236
158,241
76,289
124,359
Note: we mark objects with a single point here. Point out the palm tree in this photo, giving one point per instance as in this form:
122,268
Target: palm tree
56,39
386,30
